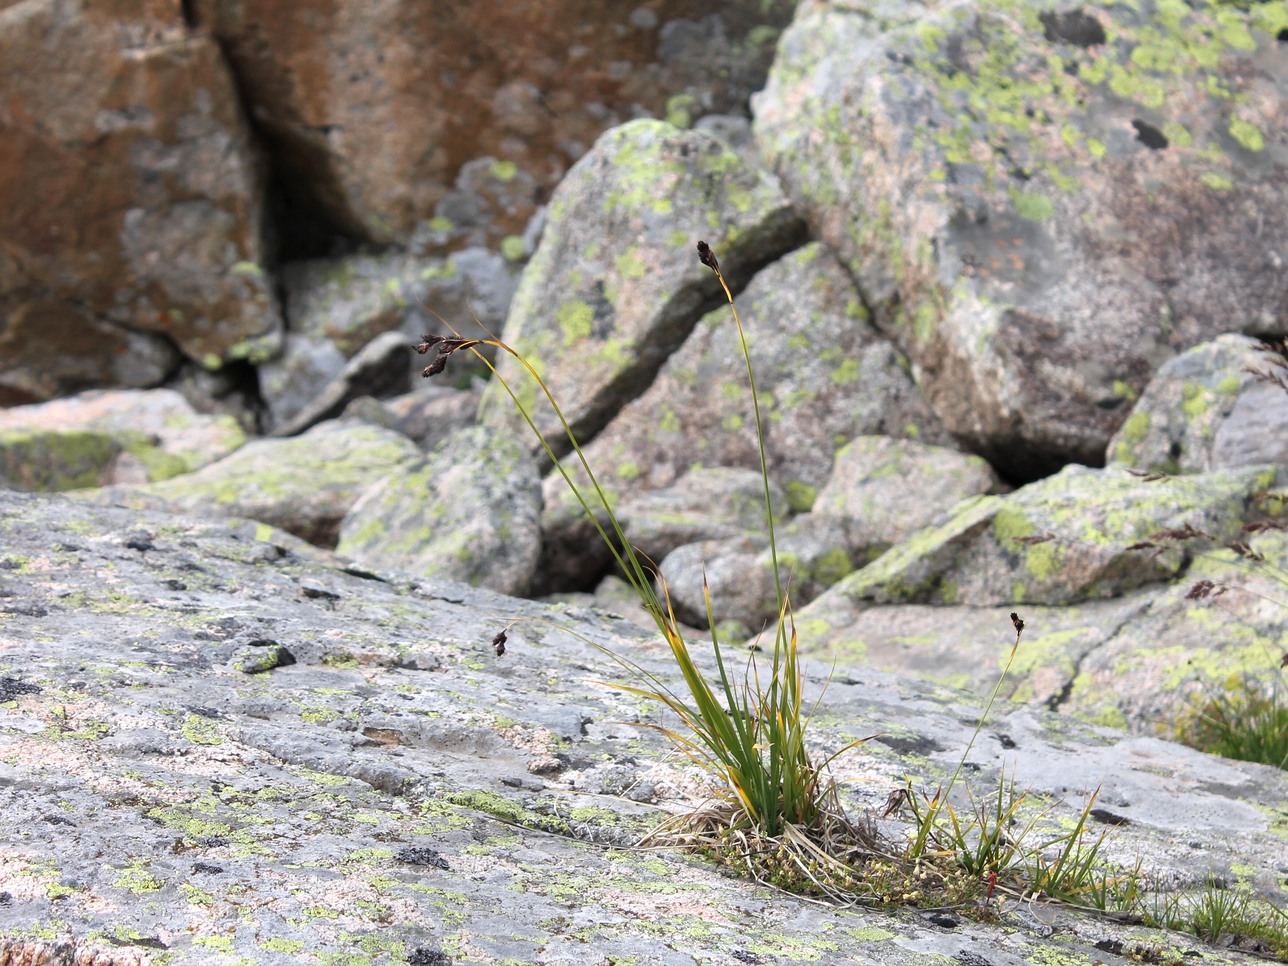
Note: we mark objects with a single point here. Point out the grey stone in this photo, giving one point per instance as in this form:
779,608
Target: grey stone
470,511
336,307
883,489
103,437
1069,538
304,485
1039,217
615,285
1206,410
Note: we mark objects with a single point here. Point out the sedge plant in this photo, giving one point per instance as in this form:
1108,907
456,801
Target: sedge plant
778,814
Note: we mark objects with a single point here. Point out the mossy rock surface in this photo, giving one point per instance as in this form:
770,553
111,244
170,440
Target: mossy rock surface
471,511
1069,538
615,285
304,485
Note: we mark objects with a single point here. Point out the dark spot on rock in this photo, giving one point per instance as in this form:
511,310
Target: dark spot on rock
1111,946
1150,136
422,856
943,920
319,593
1108,817
56,819
1006,741
1282,36
206,712
174,584
10,688
424,956
743,956
68,547
1075,27
910,746
8,563
140,543
6,899
212,842
24,609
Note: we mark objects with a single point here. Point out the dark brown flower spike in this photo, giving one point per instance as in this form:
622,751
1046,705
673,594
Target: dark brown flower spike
707,257
1019,624
498,644
446,347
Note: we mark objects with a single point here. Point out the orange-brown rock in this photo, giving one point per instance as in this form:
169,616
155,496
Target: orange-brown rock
376,107
130,200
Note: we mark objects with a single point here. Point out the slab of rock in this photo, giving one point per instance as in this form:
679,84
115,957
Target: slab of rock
304,485
1206,409
103,437
471,512
133,196
461,120
1062,540
431,412
616,286
883,489
400,767
1003,179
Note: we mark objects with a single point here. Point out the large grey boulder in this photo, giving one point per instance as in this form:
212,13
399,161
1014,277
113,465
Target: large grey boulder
1063,540
1207,409
402,793
470,511
1044,202
304,485
883,490
615,285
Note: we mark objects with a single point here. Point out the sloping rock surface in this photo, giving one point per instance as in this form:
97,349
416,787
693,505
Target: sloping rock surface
402,793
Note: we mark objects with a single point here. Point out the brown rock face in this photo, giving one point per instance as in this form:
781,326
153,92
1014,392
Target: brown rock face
130,200
376,108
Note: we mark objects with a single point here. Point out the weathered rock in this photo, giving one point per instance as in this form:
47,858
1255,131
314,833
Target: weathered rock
150,788
305,485
1062,540
1205,410
824,374
460,120
336,306
431,412
738,574
703,504
132,198
103,437
471,511
616,286
883,489
1041,202
378,369
1221,630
